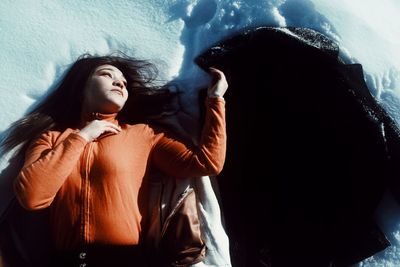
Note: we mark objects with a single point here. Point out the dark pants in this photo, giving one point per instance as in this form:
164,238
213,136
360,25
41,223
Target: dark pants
102,256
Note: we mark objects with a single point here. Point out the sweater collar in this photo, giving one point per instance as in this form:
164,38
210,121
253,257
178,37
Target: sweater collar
87,117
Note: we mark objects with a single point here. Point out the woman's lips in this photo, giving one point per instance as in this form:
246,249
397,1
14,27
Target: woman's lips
117,91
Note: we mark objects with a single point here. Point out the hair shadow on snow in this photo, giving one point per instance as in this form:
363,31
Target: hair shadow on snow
201,13
194,16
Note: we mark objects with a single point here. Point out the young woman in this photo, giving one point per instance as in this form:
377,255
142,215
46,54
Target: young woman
87,155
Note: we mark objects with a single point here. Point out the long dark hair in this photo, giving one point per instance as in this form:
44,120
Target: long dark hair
61,109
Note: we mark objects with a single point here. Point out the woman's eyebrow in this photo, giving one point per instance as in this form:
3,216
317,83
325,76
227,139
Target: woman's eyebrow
106,68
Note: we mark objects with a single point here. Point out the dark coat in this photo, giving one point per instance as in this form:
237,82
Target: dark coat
310,151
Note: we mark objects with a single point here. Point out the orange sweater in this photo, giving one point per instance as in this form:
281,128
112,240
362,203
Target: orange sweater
94,189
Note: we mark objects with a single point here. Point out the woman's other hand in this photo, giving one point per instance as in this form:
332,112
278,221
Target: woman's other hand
96,128
218,85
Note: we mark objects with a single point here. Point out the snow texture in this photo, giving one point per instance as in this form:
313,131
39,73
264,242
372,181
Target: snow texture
39,39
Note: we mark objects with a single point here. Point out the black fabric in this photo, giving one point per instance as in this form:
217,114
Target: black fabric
102,256
25,237
310,151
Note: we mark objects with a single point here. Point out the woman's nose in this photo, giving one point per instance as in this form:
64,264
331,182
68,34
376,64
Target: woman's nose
118,83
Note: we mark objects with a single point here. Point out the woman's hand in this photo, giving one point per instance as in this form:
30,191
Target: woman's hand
97,127
218,85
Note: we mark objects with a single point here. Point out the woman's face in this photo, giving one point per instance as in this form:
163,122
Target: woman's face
105,90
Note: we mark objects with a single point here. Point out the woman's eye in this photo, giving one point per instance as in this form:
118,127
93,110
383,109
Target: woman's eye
107,74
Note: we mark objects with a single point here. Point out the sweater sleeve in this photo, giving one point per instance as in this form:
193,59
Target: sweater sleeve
45,169
179,160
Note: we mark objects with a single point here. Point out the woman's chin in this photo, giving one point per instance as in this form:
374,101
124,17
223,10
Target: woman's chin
115,105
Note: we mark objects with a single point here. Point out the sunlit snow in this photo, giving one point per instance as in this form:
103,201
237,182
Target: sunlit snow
38,39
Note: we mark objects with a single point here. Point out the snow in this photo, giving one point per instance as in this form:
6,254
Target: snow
39,40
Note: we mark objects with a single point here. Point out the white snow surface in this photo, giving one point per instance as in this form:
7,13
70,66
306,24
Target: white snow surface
40,38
